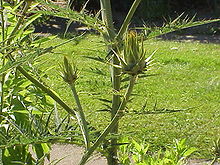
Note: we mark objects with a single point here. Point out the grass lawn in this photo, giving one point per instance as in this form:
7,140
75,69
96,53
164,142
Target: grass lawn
187,78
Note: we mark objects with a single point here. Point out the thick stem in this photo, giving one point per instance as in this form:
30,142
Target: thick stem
107,19
46,90
106,12
112,159
81,117
116,81
114,121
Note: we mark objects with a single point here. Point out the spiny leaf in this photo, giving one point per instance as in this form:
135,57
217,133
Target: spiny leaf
99,59
160,111
104,110
105,100
147,75
97,71
82,17
29,56
175,25
30,20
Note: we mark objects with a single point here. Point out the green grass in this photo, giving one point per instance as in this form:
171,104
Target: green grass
187,78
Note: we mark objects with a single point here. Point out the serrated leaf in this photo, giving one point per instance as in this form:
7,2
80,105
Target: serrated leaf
42,40
99,59
32,55
179,23
55,10
97,71
104,110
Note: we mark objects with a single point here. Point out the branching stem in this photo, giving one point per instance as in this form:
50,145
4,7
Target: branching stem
114,121
46,90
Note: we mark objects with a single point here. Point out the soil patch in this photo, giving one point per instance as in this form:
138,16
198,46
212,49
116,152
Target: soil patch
71,155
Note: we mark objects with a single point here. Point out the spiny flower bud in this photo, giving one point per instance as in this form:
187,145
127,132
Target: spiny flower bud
69,72
133,58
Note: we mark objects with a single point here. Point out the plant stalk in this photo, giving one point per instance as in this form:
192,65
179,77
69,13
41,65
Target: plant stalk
46,90
81,117
2,22
3,56
115,75
106,12
116,82
114,121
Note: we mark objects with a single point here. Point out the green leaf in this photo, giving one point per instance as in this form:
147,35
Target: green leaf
82,17
30,56
189,151
42,40
30,20
97,71
99,59
105,100
41,149
24,111
178,24
137,146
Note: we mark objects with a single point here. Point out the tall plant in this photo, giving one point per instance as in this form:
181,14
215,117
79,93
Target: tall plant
124,52
23,95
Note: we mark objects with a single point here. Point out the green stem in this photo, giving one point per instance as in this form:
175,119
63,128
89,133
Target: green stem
81,117
46,90
114,121
128,19
116,81
2,90
2,22
3,55
107,19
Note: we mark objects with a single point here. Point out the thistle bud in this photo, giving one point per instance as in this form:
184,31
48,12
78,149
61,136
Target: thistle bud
69,72
133,55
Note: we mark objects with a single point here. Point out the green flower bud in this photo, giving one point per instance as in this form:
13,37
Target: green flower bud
69,72
133,58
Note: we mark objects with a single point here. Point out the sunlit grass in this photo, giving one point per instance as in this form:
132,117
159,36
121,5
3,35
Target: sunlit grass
187,77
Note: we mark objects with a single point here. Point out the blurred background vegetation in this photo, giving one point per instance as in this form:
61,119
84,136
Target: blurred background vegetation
156,8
